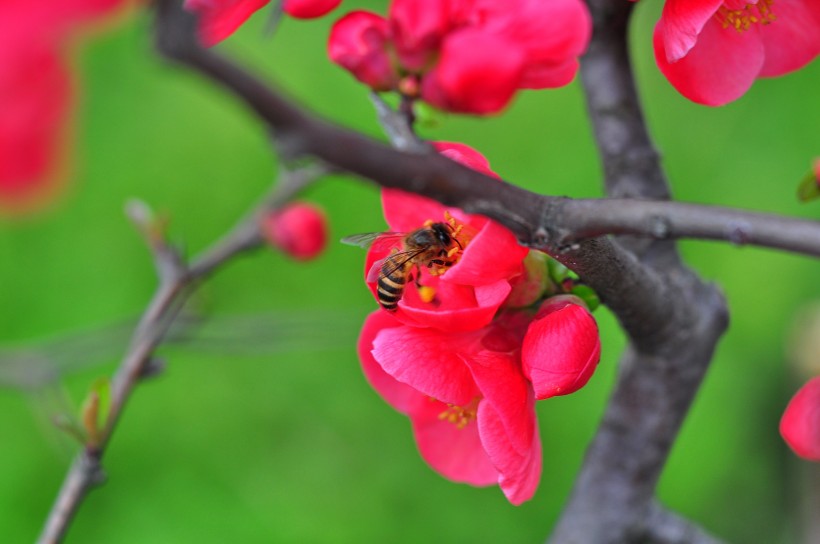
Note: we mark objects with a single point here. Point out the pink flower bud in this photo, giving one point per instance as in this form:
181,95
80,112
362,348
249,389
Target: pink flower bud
800,425
299,229
816,170
561,348
529,286
309,9
358,43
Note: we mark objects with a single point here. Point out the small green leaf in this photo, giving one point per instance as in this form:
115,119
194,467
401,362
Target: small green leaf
588,295
809,188
95,410
558,272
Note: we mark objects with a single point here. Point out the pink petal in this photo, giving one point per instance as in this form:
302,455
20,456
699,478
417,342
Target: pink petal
493,254
468,83
417,28
427,360
561,351
519,473
400,396
309,9
553,34
456,453
407,212
465,155
718,69
358,43
499,377
457,308
682,22
800,425
218,19
793,39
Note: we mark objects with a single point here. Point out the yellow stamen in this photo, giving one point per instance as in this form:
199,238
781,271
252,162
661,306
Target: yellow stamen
427,294
460,416
742,19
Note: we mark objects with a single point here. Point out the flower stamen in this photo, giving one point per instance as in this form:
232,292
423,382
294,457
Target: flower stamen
460,416
742,18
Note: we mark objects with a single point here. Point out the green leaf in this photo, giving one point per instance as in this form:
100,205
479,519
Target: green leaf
588,295
809,188
95,410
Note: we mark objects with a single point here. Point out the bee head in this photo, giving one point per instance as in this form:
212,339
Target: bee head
442,232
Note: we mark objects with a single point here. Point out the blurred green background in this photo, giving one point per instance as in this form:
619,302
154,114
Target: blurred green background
291,444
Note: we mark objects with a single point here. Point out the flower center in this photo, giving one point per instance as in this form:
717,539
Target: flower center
742,14
460,416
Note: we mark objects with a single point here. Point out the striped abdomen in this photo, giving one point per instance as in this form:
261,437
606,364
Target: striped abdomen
392,280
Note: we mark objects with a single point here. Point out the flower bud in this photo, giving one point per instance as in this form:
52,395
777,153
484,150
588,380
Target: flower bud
530,285
309,9
299,229
800,425
358,43
561,348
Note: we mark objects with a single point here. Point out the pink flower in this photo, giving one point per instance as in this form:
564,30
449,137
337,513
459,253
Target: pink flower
800,425
36,93
300,230
471,409
467,364
713,50
470,403
221,18
472,56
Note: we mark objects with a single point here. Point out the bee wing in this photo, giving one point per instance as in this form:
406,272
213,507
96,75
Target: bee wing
376,240
403,257
375,269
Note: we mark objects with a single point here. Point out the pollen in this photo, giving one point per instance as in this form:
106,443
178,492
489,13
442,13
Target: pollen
742,15
460,416
426,294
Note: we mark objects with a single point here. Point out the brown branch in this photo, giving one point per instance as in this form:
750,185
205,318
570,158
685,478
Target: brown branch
177,281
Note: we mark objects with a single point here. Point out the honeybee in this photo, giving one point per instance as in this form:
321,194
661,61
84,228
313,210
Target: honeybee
434,246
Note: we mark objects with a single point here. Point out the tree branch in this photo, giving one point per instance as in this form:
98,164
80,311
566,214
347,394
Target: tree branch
613,497
177,281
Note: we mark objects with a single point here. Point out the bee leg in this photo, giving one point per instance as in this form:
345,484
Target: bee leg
417,276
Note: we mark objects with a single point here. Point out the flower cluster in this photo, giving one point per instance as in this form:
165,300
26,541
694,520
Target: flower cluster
469,349
800,425
36,91
468,56
220,18
713,50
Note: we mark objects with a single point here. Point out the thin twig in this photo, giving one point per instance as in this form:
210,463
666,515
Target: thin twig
177,281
